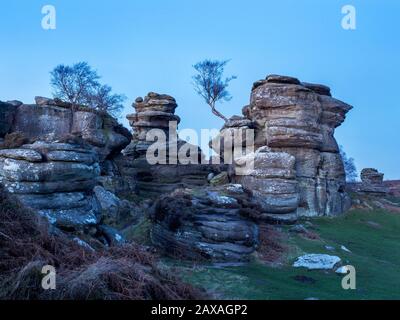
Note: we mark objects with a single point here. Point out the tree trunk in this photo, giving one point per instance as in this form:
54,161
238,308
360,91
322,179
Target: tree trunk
218,114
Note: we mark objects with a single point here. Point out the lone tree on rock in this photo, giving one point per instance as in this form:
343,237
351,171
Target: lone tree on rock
349,166
104,100
209,83
79,84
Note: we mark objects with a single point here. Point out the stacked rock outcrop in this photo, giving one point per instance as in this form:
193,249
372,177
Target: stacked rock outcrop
299,119
372,182
207,223
190,219
295,168
157,112
271,179
59,154
51,120
54,179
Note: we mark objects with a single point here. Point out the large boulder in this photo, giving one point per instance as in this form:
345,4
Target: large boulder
53,157
372,182
101,131
371,176
208,223
317,262
54,179
233,137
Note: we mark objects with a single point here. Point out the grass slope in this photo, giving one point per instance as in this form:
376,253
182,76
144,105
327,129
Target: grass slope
372,236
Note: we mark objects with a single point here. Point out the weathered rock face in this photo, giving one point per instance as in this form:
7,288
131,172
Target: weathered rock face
272,181
207,223
56,175
115,211
52,120
291,115
234,134
298,119
372,182
295,168
156,111
54,179
7,113
371,176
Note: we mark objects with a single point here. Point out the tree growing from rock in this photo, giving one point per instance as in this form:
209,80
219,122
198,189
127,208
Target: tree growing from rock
210,84
103,99
79,84
349,166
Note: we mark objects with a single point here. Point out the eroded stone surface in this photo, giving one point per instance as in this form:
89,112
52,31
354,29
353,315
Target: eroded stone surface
56,180
299,120
157,111
52,119
372,181
271,178
7,114
207,223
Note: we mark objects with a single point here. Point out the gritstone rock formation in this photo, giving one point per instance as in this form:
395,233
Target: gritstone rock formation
300,119
272,181
372,182
295,119
201,210
156,111
191,219
51,120
207,223
54,155
55,179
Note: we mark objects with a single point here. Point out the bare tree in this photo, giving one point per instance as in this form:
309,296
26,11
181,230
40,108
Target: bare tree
209,83
349,166
101,98
79,85
73,83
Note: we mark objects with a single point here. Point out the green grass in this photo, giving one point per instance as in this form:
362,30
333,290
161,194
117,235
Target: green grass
372,237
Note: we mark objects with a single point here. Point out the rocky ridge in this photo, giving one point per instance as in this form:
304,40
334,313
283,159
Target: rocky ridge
77,165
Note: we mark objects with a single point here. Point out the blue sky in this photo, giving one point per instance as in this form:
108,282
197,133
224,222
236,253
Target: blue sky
151,45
